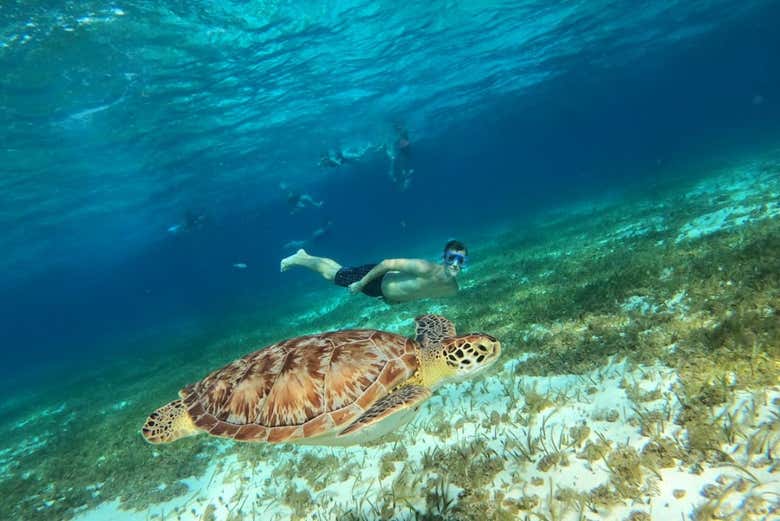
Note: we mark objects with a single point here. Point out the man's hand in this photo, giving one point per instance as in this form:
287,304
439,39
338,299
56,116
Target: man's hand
356,287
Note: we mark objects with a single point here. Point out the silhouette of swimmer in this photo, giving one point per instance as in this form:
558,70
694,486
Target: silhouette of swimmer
331,159
298,201
320,232
192,221
400,171
335,158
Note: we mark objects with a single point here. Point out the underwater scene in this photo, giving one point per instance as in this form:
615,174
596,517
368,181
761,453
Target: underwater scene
366,260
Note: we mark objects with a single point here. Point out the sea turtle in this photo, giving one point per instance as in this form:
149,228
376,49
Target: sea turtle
335,388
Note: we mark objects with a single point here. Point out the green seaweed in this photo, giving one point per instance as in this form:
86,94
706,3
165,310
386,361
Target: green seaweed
468,465
388,460
624,464
594,450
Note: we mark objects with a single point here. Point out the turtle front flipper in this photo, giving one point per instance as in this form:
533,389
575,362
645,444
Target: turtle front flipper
431,329
388,413
169,423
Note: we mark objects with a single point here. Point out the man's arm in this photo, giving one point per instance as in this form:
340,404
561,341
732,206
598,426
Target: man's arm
416,267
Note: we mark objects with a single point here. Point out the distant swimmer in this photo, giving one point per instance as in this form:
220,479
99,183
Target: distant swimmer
293,244
394,280
321,231
400,170
335,158
331,159
192,221
298,201
315,235
240,265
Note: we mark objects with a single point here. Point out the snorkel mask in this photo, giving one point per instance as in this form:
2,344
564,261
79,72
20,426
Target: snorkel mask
452,258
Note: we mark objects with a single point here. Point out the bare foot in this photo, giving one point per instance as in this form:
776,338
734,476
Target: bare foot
292,260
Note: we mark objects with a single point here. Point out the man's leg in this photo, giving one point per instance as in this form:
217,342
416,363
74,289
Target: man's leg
324,266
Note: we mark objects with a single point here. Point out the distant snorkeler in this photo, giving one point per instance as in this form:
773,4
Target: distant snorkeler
335,158
192,221
293,244
394,280
331,159
298,201
320,232
400,171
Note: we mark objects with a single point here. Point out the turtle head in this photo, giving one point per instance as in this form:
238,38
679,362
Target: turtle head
444,356
468,355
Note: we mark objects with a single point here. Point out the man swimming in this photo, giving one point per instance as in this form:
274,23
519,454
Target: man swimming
394,280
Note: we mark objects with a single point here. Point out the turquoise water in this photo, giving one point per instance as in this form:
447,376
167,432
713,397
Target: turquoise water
613,168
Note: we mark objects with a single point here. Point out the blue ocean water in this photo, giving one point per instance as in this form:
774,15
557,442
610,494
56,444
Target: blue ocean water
119,118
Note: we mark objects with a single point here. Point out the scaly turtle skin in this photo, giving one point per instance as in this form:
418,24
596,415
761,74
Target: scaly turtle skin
336,388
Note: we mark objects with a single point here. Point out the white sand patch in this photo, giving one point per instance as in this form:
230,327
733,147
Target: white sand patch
719,220
329,302
47,412
585,208
676,303
735,183
730,194
118,406
37,439
110,511
639,304
371,313
644,305
608,401
9,456
635,229
536,331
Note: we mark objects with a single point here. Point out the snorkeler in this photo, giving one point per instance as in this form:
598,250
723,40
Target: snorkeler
315,235
331,159
298,201
400,171
192,221
351,155
394,280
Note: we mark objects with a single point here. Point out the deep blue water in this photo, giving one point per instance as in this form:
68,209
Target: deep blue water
116,118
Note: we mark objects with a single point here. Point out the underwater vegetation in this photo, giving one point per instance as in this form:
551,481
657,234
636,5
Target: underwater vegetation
639,379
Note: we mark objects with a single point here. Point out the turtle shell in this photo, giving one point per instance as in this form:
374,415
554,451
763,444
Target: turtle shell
300,388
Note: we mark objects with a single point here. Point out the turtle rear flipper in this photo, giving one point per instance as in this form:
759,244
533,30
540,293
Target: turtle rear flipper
169,423
391,411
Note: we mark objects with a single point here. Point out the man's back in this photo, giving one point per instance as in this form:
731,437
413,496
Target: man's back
399,286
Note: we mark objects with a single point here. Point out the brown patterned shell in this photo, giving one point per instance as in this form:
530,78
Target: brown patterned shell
302,387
